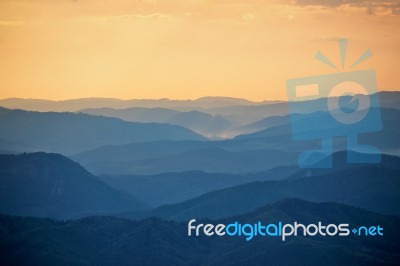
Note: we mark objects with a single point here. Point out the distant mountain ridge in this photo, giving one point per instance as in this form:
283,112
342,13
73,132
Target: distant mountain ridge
69,133
50,185
213,117
179,156
73,105
199,122
169,188
248,153
373,187
388,99
384,139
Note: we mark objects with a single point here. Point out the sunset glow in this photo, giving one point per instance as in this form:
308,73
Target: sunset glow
187,49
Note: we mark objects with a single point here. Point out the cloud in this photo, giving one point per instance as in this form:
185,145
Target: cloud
372,7
330,3
142,16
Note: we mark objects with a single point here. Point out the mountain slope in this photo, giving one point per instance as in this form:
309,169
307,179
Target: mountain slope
384,139
200,122
69,133
162,157
265,123
203,123
267,149
113,241
372,187
313,250
50,185
134,114
168,188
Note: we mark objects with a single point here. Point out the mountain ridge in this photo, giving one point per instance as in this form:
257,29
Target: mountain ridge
372,187
159,242
51,185
68,133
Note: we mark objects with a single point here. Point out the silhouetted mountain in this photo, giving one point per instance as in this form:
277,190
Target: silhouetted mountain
374,187
74,105
135,114
170,188
50,185
389,99
262,124
255,112
309,250
264,116
113,241
339,162
230,156
162,157
240,111
200,122
228,101
384,139
251,114
71,133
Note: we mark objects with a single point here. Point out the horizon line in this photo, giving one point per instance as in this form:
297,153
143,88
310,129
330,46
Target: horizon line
161,99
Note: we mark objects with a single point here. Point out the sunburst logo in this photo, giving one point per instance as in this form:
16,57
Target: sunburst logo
343,51
340,104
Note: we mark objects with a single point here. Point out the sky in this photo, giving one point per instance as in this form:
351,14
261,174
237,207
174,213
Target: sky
186,49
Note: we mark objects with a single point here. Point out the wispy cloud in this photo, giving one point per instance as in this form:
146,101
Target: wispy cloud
371,7
140,16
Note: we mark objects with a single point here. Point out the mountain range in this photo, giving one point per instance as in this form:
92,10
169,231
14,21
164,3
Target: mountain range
249,153
114,241
51,185
153,165
74,105
199,122
216,117
373,187
168,188
69,133
179,156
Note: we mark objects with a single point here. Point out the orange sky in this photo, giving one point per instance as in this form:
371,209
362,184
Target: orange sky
183,49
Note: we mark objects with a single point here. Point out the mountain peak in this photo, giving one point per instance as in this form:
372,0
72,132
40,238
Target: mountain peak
51,185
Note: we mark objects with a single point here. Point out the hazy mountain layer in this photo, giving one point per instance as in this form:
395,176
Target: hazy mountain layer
373,187
170,188
255,152
69,133
199,122
74,105
50,185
